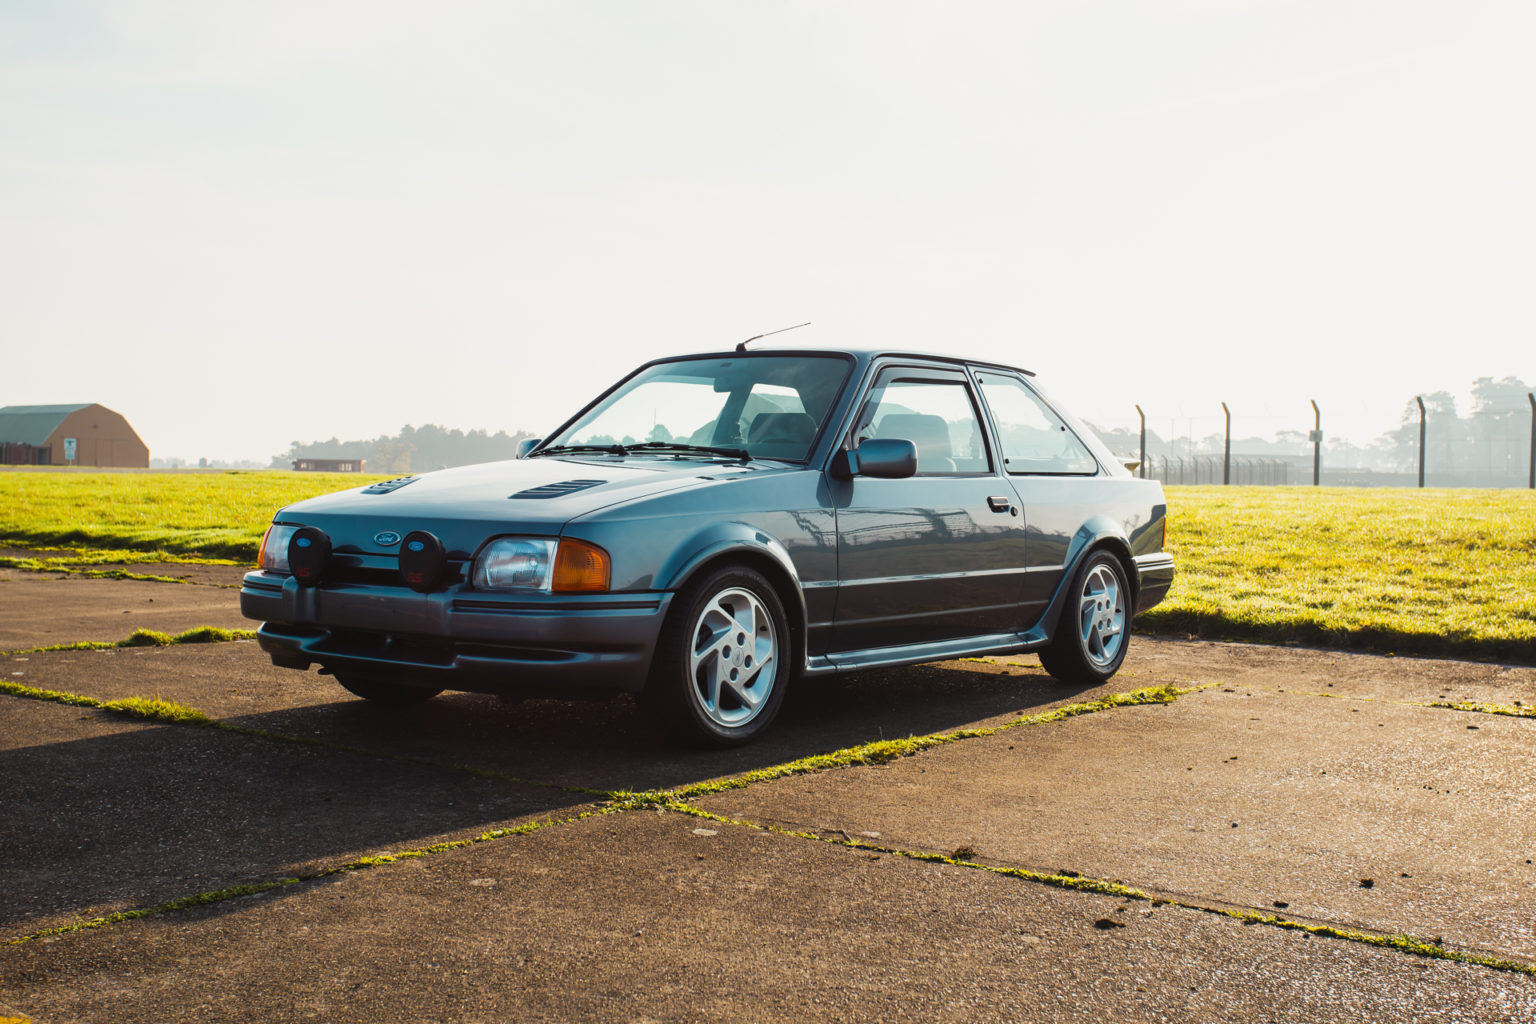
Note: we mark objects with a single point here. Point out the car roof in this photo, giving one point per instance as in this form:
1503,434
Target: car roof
860,355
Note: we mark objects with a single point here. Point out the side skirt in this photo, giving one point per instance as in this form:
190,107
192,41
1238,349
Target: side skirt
916,654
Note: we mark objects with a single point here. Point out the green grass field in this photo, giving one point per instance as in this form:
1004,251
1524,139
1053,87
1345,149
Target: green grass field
1434,572
1385,569
136,517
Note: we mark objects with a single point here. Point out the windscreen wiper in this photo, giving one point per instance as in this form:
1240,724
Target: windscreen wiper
690,449
565,449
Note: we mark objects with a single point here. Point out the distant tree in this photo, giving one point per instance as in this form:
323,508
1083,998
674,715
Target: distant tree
415,449
1500,428
1445,436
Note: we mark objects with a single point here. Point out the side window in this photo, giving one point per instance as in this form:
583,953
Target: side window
1033,438
937,416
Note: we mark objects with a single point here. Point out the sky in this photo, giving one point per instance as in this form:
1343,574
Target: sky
241,225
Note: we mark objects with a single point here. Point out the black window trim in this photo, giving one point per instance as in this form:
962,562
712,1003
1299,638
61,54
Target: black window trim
936,374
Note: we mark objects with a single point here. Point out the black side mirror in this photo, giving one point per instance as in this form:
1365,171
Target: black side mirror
892,458
527,445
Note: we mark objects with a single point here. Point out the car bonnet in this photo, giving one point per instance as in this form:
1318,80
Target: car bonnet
464,506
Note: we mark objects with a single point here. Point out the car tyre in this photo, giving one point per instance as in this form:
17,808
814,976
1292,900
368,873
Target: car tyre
381,691
722,664
1093,632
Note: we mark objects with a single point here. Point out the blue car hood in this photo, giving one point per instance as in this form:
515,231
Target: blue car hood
463,506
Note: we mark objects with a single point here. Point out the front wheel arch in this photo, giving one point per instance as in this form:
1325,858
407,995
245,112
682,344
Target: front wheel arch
785,585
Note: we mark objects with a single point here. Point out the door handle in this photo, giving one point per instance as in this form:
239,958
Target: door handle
999,504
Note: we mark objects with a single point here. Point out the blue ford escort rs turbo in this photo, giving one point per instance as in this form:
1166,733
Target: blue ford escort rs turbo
715,527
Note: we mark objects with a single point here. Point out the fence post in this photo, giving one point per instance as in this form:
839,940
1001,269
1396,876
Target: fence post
1531,396
1317,443
1226,451
1420,400
1143,466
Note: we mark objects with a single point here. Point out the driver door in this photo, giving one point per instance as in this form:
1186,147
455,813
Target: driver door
936,556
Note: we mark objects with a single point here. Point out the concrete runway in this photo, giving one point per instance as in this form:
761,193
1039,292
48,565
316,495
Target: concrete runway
1271,847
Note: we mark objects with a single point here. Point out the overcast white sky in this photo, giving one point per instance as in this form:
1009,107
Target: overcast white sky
245,224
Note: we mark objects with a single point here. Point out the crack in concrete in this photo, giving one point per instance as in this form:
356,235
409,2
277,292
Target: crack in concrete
1396,942
203,899
885,751
167,713
613,801
1516,710
673,801
147,638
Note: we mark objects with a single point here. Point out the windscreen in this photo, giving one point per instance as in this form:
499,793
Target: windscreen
770,406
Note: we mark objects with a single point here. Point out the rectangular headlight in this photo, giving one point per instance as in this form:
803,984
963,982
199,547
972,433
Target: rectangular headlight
516,563
274,549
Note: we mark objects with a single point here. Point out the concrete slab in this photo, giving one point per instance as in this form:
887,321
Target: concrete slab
39,610
661,917
1265,800
103,814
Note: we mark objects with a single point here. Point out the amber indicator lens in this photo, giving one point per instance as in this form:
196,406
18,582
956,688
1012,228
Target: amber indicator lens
580,568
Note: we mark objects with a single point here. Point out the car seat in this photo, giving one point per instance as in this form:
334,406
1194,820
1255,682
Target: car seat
929,433
780,435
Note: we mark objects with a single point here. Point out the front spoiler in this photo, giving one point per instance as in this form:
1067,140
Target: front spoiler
459,639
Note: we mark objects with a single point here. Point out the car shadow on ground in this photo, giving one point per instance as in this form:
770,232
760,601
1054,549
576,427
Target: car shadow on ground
104,814
608,745
129,815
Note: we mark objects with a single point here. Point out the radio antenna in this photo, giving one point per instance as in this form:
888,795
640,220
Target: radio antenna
743,346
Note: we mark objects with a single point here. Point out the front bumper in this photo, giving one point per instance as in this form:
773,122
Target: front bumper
459,639
1154,575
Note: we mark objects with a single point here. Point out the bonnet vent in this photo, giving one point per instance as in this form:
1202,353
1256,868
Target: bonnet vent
385,486
558,490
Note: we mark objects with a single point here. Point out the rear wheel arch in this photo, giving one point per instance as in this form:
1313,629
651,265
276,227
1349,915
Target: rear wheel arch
1101,534
1092,629
1122,551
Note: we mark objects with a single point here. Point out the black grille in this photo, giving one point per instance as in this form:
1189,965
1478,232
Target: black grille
341,573
556,490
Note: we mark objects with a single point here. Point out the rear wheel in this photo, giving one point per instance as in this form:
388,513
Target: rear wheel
722,665
1094,629
381,691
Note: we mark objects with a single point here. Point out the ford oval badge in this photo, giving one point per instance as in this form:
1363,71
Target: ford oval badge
387,539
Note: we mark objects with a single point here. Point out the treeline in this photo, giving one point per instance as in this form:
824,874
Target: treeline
413,450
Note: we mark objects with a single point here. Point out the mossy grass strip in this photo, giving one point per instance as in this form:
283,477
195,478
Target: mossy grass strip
148,638
204,899
1516,710
1397,942
886,751
1480,707
37,565
148,709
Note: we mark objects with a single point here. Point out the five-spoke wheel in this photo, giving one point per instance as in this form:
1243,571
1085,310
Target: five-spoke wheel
719,673
1090,639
